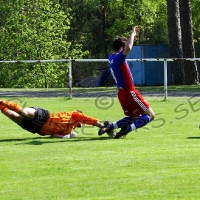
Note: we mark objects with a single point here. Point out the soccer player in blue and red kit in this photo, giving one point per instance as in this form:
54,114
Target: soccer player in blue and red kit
135,107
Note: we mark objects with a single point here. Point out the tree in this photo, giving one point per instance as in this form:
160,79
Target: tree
48,29
196,20
190,68
34,30
175,41
181,41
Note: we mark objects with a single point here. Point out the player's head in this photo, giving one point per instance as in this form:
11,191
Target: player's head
119,42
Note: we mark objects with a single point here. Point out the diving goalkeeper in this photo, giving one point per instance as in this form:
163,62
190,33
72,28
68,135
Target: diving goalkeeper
43,122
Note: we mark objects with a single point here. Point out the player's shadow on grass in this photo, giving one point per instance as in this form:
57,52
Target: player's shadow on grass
57,140
17,139
45,140
20,141
79,139
195,137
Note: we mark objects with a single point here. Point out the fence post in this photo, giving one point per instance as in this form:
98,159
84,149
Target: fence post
70,78
165,79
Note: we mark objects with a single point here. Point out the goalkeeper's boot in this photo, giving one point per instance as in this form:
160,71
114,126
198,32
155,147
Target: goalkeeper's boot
106,129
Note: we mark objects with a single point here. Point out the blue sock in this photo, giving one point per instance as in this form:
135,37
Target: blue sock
124,124
127,124
126,121
142,121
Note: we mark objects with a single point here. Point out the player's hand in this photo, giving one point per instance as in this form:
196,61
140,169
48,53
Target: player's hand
79,125
99,124
135,29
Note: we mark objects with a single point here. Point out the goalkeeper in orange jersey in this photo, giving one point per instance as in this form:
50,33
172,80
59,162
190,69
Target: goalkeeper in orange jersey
43,122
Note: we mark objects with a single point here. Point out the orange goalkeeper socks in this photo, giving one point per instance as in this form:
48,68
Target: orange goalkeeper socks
3,110
1,106
10,105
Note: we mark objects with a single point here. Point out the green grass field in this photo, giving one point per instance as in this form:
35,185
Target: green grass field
160,161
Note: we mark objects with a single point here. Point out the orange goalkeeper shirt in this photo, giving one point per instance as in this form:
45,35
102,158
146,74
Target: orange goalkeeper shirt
63,123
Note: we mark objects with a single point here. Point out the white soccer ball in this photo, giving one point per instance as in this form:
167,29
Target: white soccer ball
73,135
66,136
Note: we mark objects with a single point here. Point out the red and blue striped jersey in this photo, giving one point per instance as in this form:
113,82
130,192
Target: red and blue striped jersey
121,71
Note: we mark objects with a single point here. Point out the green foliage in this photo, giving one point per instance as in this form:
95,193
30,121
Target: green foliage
34,30
31,32
196,21
52,29
150,16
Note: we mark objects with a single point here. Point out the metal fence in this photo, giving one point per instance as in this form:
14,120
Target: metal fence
164,60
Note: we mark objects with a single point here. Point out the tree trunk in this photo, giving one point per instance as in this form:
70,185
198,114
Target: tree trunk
175,45
190,68
104,18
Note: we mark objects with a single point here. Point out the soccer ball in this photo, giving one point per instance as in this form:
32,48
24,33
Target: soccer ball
73,135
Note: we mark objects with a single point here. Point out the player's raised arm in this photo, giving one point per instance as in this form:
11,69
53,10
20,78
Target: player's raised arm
130,42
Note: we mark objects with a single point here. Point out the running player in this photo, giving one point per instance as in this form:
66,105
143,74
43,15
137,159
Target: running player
43,122
135,107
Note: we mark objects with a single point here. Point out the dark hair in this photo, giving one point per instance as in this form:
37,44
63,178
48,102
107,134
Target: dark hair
119,42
